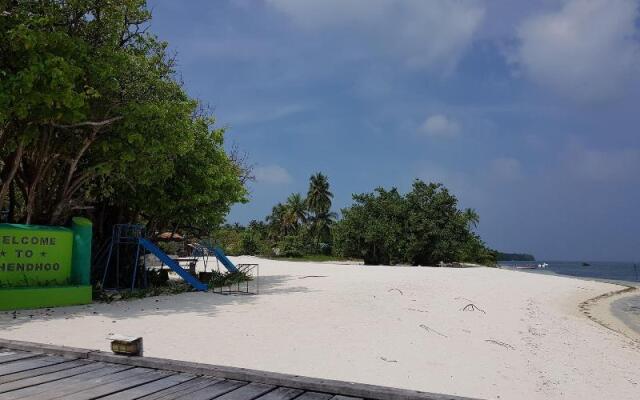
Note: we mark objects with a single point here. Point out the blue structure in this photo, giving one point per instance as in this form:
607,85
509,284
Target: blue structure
128,235
175,267
217,251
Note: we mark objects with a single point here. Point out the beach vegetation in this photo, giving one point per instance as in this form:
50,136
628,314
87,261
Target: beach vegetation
423,227
95,121
515,257
222,279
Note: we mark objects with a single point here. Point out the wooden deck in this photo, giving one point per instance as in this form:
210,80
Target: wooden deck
36,371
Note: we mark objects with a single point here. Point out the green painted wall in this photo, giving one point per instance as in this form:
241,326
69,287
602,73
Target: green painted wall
81,263
19,298
35,256
45,266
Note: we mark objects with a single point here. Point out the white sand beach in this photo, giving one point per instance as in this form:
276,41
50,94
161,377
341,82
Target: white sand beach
406,327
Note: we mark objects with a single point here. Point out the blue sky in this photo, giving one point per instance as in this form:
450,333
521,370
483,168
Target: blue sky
527,111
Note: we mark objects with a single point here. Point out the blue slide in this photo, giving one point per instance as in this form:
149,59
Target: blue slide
175,267
217,251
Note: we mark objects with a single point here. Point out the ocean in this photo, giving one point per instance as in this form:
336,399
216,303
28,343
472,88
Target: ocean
626,273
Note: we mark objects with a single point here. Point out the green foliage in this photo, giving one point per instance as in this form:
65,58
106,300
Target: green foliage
91,111
291,246
515,257
220,279
249,244
423,227
229,238
319,197
373,228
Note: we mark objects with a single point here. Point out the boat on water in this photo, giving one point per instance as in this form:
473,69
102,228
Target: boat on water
532,266
586,264
527,267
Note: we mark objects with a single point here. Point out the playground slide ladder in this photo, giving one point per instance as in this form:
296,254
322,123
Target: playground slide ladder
175,267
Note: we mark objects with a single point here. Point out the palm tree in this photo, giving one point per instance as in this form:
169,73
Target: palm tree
321,226
276,221
319,197
472,217
296,206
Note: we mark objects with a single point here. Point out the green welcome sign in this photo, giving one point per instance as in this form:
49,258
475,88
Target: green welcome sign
45,266
35,255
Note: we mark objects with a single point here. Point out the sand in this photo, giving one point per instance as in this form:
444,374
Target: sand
524,338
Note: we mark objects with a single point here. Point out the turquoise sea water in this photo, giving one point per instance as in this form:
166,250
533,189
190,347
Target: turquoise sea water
626,309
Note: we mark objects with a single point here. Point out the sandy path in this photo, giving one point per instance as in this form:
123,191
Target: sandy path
395,326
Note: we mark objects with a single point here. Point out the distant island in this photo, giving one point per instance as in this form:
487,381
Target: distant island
515,257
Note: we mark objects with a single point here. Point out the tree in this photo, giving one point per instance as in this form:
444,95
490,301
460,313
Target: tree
423,227
321,224
472,217
436,228
297,209
319,204
93,121
319,197
373,228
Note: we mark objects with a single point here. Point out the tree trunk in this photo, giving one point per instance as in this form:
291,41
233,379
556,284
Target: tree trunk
71,185
12,202
10,172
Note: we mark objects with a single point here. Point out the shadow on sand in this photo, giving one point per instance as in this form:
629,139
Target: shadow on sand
201,303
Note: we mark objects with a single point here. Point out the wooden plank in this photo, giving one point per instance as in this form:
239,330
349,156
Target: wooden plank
314,396
43,370
8,356
150,388
354,389
119,385
62,389
45,348
211,392
30,363
340,397
281,393
183,389
81,381
247,392
358,390
46,374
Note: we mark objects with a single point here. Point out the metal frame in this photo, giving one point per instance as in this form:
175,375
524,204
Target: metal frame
252,270
125,235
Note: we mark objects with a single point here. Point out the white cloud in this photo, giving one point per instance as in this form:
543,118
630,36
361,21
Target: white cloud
505,169
587,50
425,34
439,125
272,175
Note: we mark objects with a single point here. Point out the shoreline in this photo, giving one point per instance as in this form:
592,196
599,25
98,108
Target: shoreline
600,309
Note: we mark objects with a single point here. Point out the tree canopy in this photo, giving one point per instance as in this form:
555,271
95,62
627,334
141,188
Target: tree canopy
93,120
423,227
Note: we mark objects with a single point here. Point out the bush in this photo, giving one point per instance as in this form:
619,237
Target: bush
291,246
219,279
248,244
423,227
